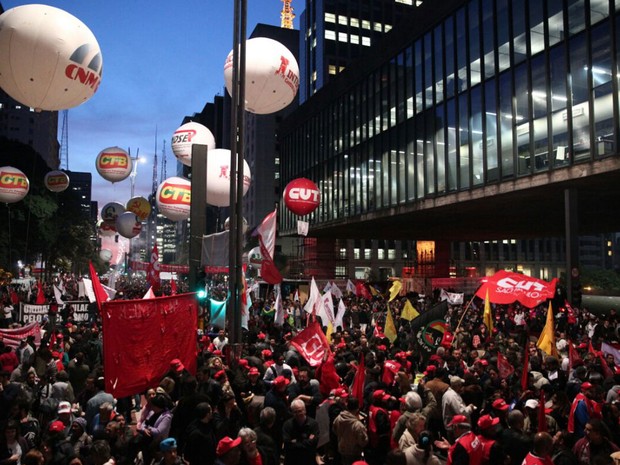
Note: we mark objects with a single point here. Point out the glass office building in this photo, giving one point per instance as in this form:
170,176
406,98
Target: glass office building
471,93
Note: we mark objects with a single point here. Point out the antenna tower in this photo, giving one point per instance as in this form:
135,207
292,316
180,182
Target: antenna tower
286,15
163,174
64,141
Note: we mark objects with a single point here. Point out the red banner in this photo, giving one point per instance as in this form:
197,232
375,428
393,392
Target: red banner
12,337
505,288
141,337
312,344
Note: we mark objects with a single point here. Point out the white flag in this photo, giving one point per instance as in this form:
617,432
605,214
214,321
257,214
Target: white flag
340,314
315,295
327,287
336,292
149,294
326,312
296,297
245,311
58,295
453,298
88,290
302,227
278,317
351,287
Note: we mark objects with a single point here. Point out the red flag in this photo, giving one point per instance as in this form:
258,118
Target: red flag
525,373
267,242
591,349
167,328
312,344
357,390
504,367
53,340
152,270
573,356
606,370
390,368
362,291
505,287
173,287
327,376
542,417
14,297
100,294
446,339
40,295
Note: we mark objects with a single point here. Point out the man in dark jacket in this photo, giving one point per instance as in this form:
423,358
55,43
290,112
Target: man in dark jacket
300,435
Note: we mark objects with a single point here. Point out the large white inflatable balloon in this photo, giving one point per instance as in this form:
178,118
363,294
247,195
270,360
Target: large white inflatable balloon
105,255
186,136
140,206
111,211
14,185
49,59
174,197
271,76
128,225
218,177
56,181
255,257
114,164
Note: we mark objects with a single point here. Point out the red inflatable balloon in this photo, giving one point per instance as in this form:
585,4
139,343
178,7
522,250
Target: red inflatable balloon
302,196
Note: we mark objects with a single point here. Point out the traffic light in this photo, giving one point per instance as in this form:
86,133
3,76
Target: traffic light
201,286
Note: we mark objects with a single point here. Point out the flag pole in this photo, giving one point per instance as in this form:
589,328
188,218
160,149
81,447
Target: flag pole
465,313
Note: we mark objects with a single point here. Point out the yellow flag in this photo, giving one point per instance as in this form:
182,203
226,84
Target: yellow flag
329,331
395,290
390,328
546,341
409,312
373,290
488,316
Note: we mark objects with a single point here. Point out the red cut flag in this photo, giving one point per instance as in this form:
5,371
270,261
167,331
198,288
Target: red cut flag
362,291
312,344
573,356
525,374
40,295
357,390
390,368
152,270
166,329
505,287
267,242
504,367
327,376
100,294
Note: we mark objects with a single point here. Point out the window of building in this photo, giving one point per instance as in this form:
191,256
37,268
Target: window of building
391,254
332,69
356,253
354,22
366,41
365,24
343,20
341,271
355,39
367,254
330,18
378,27
381,254
342,37
330,35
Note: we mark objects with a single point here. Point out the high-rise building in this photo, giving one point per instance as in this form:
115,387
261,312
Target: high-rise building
335,33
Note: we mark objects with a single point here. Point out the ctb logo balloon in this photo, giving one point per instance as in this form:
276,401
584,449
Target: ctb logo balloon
174,198
14,185
56,181
114,164
302,196
49,59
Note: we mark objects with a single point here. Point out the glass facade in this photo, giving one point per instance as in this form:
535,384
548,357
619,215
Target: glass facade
495,91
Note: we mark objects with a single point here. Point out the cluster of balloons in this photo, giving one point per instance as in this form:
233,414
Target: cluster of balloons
124,220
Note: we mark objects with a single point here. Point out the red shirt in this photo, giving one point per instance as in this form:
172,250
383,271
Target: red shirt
531,459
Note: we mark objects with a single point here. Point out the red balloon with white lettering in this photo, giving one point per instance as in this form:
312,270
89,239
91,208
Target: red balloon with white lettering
14,185
49,59
56,181
186,136
174,198
114,164
302,196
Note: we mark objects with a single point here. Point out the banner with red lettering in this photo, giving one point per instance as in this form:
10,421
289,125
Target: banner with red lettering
505,287
141,337
12,337
312,344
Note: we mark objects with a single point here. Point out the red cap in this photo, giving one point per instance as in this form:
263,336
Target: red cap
500,404
176,364
342,345
360,462
226,444
56,354
253,371
220,374
281,381
487,421
341,392
243,363
458,420
261,336
56,427
587,385
217,352
382,348
430,369
484,362
380,394
266,353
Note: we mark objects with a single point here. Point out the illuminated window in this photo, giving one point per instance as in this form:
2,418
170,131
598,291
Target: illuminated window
355,39
378,27
365,24
367,254
366,41
354,22
332,69
391,254
343,20
356,254
342,37
381,254
330,18
314,76
330,35
387,28
406,2
343,253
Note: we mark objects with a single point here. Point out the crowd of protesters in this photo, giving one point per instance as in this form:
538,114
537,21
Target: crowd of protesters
480,397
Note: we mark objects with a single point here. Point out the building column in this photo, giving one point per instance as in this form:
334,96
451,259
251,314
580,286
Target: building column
571,223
